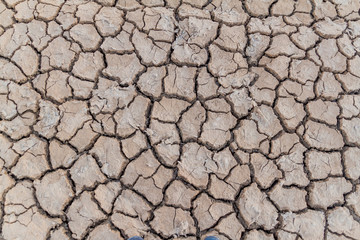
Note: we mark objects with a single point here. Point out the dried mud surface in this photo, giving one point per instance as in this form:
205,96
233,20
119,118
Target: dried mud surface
179,119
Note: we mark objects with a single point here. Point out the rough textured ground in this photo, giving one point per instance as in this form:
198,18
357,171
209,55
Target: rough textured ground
180,119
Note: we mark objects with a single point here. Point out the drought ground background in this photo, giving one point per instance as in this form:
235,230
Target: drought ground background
175,119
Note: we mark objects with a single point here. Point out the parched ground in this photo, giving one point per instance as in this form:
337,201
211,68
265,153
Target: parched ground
179,119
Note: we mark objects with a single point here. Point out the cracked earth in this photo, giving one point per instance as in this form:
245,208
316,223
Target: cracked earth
179,119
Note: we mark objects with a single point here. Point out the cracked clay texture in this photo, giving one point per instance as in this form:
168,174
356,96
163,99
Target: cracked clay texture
180,119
